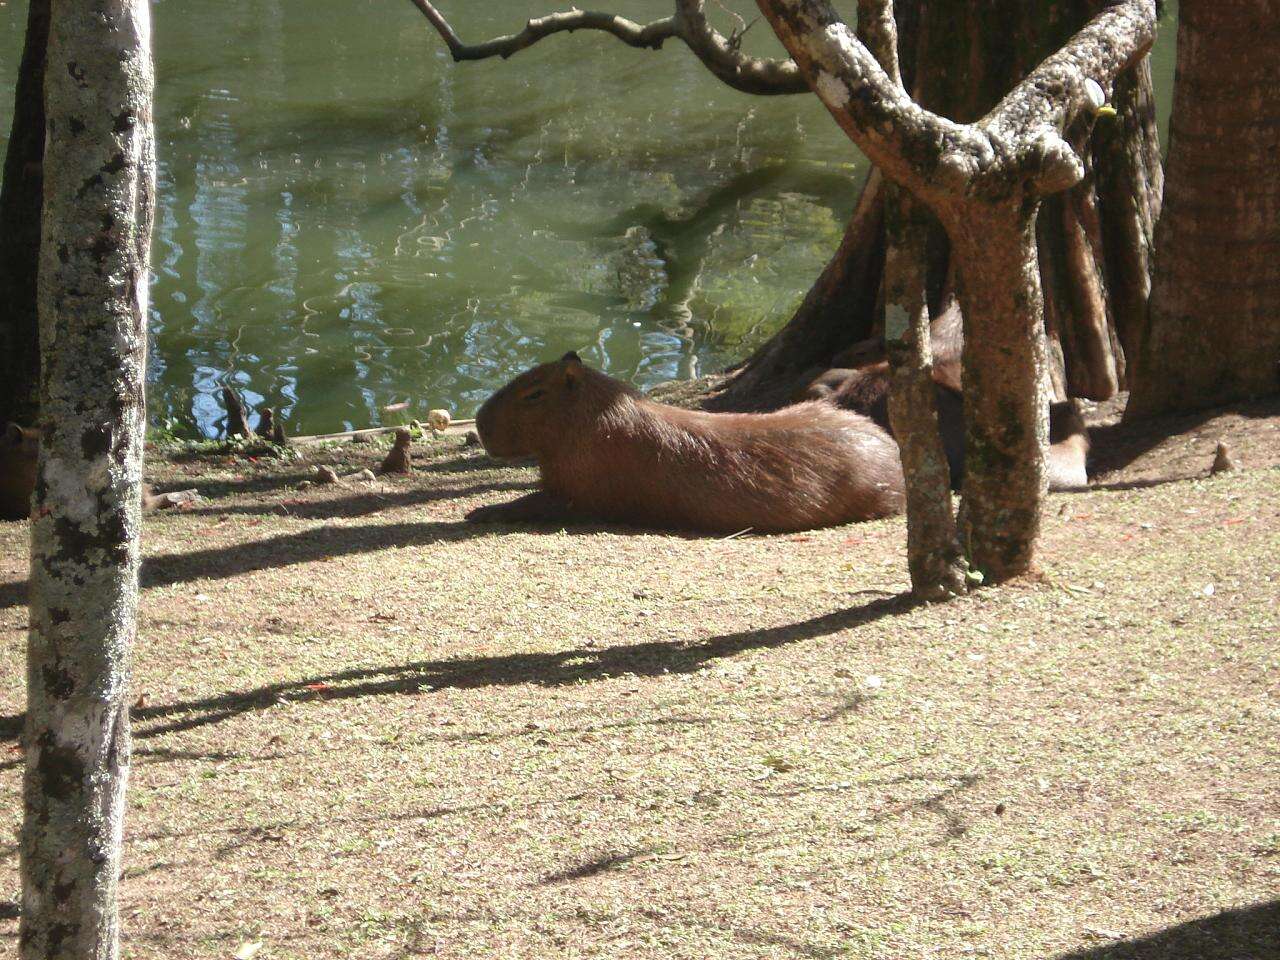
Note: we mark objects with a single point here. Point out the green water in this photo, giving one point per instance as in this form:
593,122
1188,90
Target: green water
347,220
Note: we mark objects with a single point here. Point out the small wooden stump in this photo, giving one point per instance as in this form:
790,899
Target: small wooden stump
398,459
1223,461
237,421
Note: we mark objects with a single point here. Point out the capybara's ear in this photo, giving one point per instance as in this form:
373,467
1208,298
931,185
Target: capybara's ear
572,369
12,434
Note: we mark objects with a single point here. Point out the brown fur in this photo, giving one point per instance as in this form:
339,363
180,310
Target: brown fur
1068,447
859,381
18,449
865,390
606,452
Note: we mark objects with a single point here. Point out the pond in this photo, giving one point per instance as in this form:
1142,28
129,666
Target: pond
348,221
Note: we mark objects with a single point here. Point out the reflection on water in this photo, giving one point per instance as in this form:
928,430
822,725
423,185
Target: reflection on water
347,219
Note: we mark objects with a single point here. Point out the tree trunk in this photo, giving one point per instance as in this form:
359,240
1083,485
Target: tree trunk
1006,406
838,310
1214,325
20,195
934,558
98,198
1129,181
1095,239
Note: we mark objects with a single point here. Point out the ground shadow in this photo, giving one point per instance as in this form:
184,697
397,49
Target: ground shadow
359,503
1249,933
322,543
579,665
596,865
1115,446
252,483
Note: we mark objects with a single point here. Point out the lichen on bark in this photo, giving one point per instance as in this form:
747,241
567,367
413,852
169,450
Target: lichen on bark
984,181
96,225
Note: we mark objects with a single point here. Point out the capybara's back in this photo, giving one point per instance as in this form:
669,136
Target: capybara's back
18,450
611,454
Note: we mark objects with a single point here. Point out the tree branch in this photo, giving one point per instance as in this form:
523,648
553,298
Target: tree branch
931,156
1066,88
719,54
878,32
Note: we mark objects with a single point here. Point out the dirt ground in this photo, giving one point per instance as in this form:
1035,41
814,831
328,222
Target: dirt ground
366,728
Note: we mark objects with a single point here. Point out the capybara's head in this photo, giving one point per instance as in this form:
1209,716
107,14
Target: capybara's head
516,419
861,354
20,440
18,450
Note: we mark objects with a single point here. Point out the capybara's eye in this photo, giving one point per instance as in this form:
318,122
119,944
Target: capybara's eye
535,395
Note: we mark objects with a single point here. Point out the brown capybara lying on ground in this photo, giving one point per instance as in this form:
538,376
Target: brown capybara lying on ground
865,389
606,452
18,449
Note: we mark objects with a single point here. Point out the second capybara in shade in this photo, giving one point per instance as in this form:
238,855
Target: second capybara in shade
19,454
605,452
18,449
864,388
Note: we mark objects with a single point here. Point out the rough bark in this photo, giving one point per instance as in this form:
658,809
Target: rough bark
984,181
838,310
20,195
98,195
1005,388
1129,183
934,560
1214,323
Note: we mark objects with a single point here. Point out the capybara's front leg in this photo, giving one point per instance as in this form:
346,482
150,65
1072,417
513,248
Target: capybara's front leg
537,507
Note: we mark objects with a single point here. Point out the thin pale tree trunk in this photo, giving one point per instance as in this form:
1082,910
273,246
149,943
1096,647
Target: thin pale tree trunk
98,200
934,558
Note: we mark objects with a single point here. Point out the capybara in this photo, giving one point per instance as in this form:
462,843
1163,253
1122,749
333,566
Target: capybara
865,389
1068,447
18,449
606,452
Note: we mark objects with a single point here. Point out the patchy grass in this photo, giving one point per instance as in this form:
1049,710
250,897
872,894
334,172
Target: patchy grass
366,728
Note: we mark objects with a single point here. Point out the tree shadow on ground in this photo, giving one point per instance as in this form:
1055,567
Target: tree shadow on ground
1116,446
1249,933
250,483
596,865
357,504
579,665
321,543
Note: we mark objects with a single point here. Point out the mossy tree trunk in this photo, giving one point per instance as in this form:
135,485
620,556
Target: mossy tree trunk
98,202
1214,323
985,181
1094,241
20,195
934,560
1005,387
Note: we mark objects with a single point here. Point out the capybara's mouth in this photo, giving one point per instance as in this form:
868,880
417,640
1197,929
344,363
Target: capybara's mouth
492,446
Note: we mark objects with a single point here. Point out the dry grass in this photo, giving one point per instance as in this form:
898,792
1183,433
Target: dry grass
369,729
